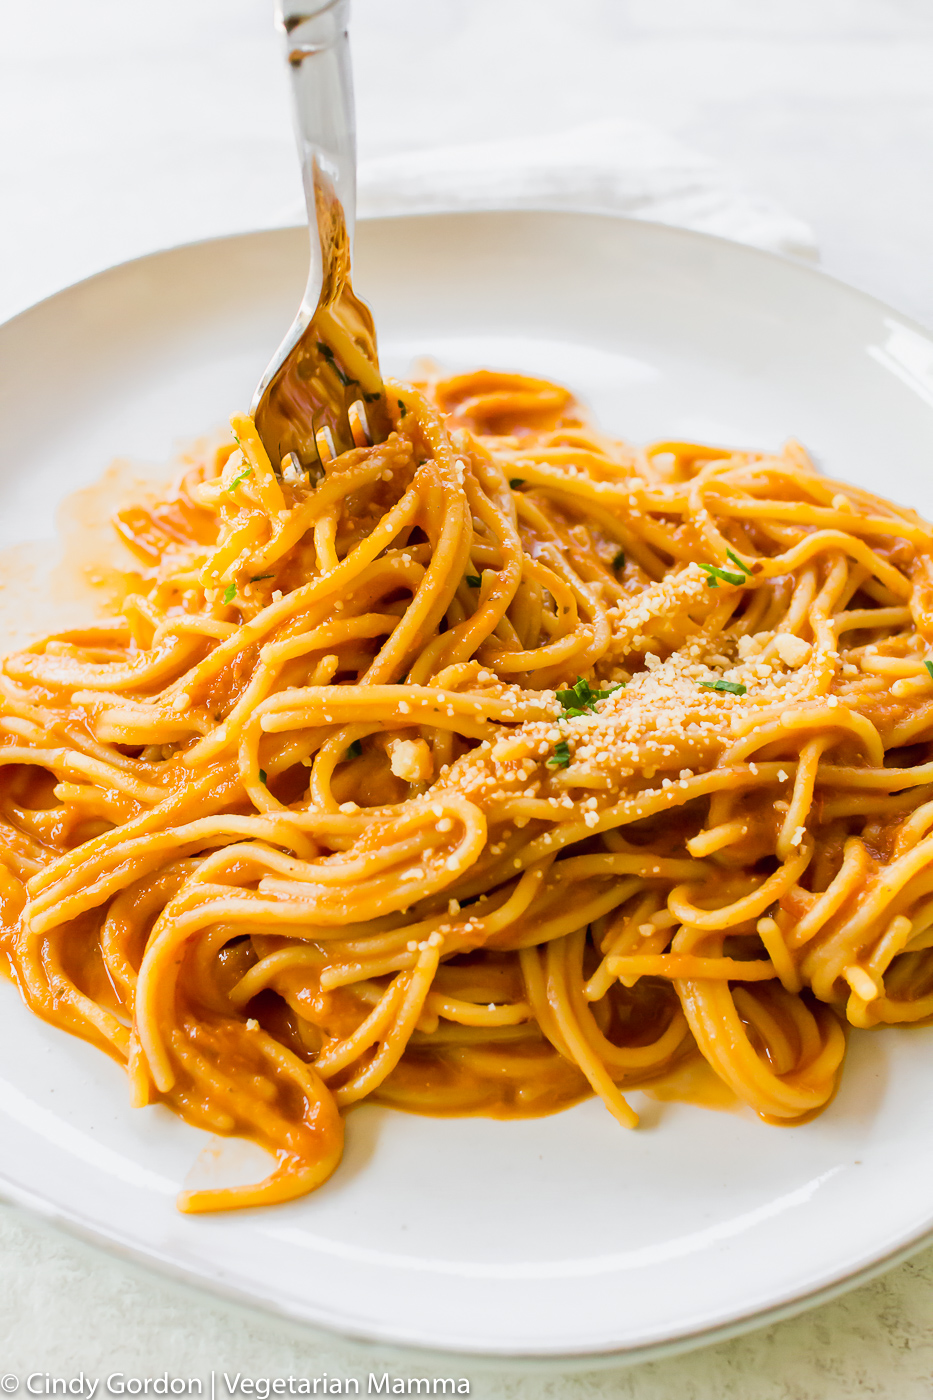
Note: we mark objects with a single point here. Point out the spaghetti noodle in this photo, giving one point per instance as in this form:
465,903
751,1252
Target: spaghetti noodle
503,764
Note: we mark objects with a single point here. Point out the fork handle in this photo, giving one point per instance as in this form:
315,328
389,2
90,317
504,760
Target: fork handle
318,52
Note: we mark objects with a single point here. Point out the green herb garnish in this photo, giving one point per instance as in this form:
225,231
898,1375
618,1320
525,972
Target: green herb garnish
262,777
738,563
402,407
732,687
929,666
581,697
516,482
715,574
561,756
474,580
355,749
258,578
247,471
619,561
727,576
230,593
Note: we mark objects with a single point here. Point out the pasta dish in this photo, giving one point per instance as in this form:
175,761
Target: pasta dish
500,765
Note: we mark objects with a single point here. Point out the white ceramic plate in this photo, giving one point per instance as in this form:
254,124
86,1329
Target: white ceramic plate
563,1236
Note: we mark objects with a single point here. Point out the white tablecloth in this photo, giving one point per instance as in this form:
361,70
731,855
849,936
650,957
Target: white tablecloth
129,127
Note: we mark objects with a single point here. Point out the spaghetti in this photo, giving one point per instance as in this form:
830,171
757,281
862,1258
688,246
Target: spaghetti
503,764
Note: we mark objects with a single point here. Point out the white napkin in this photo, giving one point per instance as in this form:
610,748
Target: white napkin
608,167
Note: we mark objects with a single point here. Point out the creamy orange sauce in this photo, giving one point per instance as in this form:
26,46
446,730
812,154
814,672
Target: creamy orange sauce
694,1081
85,572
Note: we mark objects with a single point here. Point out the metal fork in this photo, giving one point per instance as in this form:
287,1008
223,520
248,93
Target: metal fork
322,392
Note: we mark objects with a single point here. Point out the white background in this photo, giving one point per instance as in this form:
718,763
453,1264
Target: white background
126,127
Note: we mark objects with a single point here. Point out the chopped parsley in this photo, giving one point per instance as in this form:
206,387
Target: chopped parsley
516,482
402,407
929,666
581,697
475,580
247,471
740,564
230,593
262,777
355,749
732,687
715,574
258,578
728,576
619,561
561,756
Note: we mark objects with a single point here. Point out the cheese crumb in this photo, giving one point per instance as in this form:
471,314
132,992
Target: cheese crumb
751,646
792,650
505,749
411,759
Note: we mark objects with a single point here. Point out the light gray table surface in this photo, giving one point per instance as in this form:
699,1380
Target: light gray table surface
126,127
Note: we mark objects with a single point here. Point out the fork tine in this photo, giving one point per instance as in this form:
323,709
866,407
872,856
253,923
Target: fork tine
359,424
309,401
324,440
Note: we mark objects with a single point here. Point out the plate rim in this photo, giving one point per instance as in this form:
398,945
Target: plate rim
188,1275
192,1279
799,266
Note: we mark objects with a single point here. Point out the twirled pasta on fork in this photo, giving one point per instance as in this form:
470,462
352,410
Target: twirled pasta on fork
502,764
